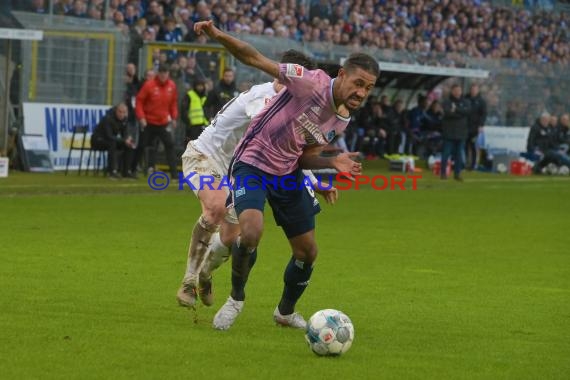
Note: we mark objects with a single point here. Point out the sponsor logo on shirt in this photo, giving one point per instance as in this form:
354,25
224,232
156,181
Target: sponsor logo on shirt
309,130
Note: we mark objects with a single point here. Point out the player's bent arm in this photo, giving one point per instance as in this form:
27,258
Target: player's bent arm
344,162
311,158
243,51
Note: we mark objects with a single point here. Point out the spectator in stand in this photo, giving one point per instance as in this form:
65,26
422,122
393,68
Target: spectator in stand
540,138
183,19
476,123
563,133
456,112
553,122
36,6
170,33
131,14
111,135
322,10
391,126
224,91
416,121
431,134
202,12
544,142
79,9
206,61
374,122
132,86
149,75
192,110
401,120
153,13
477,29
191,71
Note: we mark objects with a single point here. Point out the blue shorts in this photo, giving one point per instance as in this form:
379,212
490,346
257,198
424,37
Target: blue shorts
294,205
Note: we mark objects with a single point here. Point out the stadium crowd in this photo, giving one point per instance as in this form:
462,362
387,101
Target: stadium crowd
425,31
471,27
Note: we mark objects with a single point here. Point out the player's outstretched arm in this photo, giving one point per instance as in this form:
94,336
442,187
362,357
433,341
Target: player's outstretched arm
243,51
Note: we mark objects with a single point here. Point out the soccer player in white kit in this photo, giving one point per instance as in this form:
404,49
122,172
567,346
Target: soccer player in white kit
287,135
210,156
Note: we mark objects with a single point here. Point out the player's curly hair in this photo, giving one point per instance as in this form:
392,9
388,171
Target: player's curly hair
296,57
362,61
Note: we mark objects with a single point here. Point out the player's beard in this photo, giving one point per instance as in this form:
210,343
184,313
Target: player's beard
353,102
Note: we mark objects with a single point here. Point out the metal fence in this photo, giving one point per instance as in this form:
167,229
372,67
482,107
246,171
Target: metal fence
6,113
78,62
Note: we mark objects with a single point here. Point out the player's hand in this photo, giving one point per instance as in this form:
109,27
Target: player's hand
327,191
345,163
205,27
142,123
173,123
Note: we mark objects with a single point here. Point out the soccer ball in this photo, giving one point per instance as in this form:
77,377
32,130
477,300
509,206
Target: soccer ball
329,333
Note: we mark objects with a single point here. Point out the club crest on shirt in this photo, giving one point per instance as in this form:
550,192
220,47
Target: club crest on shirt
294,70
331,135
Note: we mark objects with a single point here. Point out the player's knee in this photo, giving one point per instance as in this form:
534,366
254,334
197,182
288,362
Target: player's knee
251,226
249,237
208,224
228,236
307,254
214,214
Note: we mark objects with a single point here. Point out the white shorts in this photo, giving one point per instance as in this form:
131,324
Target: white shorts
194,161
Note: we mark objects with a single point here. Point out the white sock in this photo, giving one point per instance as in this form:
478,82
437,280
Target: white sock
218,255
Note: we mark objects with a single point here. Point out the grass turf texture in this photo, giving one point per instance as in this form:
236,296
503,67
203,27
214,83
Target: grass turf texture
455,280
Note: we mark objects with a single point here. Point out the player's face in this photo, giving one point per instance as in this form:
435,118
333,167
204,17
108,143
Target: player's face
355,87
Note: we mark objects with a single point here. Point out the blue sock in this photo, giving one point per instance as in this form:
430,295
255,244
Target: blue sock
296,277
242,262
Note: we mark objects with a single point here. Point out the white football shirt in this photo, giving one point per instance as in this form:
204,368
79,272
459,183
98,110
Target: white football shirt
219,139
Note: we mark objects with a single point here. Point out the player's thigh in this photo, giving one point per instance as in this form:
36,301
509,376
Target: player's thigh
294,210
248,200
201,172
203,176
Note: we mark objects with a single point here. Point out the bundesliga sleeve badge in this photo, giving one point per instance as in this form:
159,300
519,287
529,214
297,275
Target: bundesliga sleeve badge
294,70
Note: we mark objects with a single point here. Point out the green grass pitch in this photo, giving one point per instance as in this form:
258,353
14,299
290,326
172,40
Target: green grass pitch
452,281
